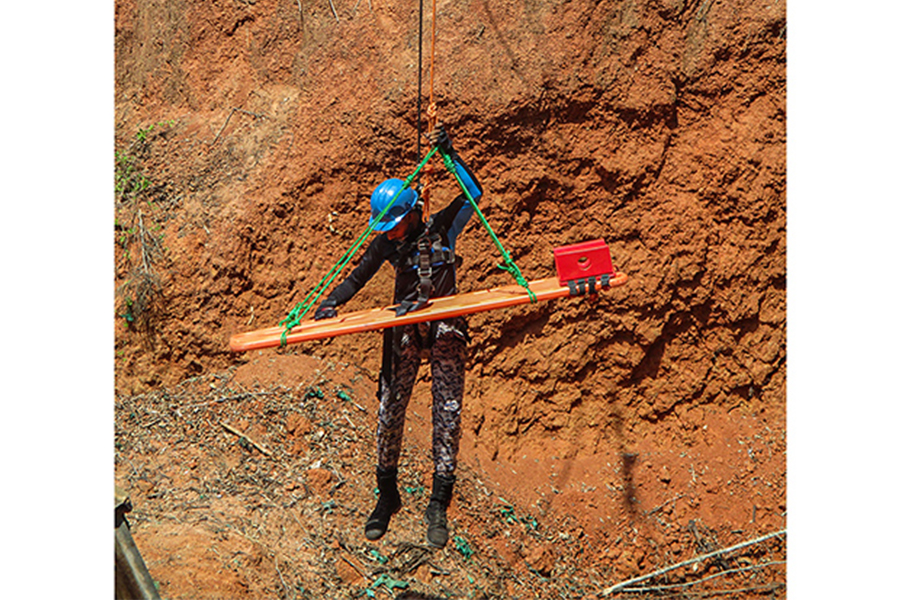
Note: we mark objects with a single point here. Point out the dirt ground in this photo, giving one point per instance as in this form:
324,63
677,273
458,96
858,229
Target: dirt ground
604,438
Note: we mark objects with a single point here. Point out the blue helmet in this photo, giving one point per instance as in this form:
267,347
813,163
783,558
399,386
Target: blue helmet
383,195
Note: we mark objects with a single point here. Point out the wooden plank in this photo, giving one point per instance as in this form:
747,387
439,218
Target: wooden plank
380,318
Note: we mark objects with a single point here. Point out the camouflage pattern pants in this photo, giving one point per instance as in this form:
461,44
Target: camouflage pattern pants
448,366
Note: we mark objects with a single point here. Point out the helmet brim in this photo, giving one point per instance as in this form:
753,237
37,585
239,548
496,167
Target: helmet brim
386,225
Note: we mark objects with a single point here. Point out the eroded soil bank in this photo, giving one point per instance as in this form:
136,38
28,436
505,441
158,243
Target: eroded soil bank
637,429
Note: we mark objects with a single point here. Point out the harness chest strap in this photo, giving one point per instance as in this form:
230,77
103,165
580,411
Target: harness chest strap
439,254
423,244
430,254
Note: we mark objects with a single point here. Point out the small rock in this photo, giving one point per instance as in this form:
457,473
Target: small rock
423,574
299,447
297,424
541,560
664,475
347,573
318,480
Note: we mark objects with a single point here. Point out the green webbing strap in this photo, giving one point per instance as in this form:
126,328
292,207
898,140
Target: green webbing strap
298,312
509,265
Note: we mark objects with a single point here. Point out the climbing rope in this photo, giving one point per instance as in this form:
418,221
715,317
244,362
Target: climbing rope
431,111
295,316
509,264
419,93
299,311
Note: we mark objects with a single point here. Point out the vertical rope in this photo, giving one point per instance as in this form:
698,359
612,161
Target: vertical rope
432,117
419,98
433,36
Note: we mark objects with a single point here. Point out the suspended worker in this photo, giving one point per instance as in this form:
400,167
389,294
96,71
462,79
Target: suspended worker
423,255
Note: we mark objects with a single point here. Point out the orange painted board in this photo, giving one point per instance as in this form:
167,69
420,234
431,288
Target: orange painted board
380,318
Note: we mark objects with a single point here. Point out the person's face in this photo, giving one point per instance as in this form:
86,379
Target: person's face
400,231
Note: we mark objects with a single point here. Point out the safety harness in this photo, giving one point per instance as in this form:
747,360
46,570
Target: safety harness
430,253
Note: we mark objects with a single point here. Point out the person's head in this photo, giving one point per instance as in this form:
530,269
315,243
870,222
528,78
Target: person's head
397,220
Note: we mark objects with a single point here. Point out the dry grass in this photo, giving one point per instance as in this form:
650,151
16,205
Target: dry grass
287,472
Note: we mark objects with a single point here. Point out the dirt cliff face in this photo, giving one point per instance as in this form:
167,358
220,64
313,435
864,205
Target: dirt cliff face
250,134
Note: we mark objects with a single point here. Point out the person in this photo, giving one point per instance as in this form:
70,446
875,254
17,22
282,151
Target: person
424,258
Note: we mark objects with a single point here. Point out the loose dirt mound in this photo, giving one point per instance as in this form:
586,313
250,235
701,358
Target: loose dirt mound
635,429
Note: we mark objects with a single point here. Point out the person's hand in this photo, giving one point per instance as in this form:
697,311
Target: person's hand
325,311
438,137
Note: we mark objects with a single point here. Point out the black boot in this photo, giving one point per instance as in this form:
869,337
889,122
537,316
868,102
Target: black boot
436,513
388,503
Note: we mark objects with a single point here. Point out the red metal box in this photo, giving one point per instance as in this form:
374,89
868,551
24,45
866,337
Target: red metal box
580,261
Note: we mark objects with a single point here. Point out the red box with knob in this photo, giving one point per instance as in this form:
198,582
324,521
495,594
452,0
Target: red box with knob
580,261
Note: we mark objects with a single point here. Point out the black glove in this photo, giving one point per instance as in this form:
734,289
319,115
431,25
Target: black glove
326,310
439,137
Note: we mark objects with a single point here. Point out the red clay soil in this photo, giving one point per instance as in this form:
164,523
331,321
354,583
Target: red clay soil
604,438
